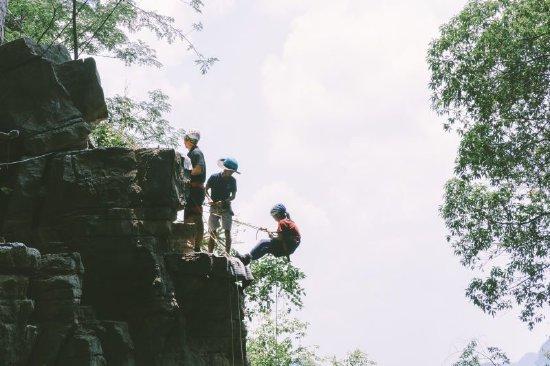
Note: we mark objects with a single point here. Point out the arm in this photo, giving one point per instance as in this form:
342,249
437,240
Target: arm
197,170
206,188
232,196
197,159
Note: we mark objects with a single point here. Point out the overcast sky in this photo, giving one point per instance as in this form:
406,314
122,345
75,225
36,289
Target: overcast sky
325,105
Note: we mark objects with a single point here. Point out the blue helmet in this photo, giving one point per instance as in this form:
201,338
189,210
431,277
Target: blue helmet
278,210
229,164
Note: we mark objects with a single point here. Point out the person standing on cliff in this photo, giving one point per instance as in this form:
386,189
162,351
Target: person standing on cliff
281,243
223,187
193,209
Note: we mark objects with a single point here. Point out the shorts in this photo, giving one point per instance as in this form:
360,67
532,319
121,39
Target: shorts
194,203
280,249
226,218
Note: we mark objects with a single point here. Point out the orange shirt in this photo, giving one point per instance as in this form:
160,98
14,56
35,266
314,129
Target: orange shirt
288,230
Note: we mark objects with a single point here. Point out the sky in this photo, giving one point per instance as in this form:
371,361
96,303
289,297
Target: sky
325,105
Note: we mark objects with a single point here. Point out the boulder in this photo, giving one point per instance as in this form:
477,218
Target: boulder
81,80
61,263
51,100
18,258
13,287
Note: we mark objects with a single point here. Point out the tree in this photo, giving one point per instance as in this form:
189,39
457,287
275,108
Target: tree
276,338
275,278
137,123
354,358
472,355
490,76
104,28
279,344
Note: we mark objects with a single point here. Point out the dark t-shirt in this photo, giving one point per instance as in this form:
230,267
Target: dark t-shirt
221,187
197,158
288,230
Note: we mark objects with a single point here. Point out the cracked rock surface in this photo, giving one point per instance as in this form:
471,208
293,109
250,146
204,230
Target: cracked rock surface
100,278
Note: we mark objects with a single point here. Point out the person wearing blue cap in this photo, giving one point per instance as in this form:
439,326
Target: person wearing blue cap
223,189
281,243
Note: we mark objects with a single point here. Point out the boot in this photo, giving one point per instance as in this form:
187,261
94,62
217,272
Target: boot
245,259
211,245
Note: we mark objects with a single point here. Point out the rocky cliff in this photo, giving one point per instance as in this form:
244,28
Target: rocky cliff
100,278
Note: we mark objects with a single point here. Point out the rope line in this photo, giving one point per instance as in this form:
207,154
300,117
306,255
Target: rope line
232,327
240,320
27,159
276,317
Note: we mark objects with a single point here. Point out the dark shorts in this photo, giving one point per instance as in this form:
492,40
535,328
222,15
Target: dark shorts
193,206
281,250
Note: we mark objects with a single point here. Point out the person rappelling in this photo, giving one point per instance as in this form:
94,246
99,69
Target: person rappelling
193,209
223,189
281,243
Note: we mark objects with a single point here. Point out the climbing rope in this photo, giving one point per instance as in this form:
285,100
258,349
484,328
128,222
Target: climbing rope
25,160
232,327
239,222
240,320
276,317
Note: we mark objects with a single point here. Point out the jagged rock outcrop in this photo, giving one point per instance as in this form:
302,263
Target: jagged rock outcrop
50,99
102,280
3,13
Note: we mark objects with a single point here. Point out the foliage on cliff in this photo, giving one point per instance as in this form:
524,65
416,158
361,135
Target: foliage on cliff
134,123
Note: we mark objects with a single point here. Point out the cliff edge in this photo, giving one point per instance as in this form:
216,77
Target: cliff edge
100,278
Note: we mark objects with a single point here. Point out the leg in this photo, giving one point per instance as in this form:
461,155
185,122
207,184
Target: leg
227,241
211,243
262,248
196,196
188,218
213,225
227,221
199,232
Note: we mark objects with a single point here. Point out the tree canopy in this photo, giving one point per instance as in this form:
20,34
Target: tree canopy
490,77
279,344
475,355
274,275
107,28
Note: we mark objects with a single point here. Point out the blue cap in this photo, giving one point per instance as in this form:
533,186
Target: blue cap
229,164
279,209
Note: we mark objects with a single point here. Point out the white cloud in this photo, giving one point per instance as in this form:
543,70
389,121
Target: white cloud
325,105
218,8
282,8
350,127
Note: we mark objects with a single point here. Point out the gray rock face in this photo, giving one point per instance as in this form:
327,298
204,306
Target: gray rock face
189,311
101,279
51,100
3,13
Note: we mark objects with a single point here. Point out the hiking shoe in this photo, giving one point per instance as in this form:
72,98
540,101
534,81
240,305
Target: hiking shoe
245,259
